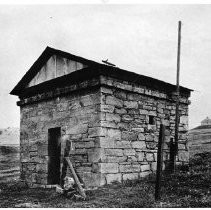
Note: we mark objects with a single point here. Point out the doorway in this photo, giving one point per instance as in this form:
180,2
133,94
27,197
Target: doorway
54,152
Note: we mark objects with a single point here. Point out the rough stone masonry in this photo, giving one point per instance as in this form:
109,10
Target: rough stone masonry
112,120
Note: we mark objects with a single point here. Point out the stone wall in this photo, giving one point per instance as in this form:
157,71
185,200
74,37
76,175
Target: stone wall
128,142
114,126
77,114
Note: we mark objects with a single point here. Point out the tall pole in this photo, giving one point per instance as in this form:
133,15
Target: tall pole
177,93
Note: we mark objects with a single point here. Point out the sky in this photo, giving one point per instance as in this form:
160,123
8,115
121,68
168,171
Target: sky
140,38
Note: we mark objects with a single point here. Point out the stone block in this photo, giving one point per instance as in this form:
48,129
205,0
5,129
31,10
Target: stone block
107,108
96,155
114,101
155,93
83,111
152,113
140,156
148,92
181,147
145,168
120,111
62,106
130,176
133,111
166,122
132,159
85,144
105,142
33,154
131,104
139,144
113,117
141,137
120,94
106,90
143,111
115,159
151,145
127,118
150,157
114,152
42,149
123,86
184,120
134,97
97,131
81,151
90,99
37,159
79,158
129,152
113,178
129,168
154,166
33,147
83,169
31,167
149,137
123,144
138,89
144,174
106,167
108,124
114,133
123,126
138,130
183,156
159,110
42,168
77,129
129,136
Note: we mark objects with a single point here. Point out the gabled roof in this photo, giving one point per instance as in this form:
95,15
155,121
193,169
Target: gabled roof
47,53
93,69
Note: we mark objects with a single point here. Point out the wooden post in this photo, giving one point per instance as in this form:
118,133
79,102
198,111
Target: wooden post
159,162
75,177
178,89
175,149
172,156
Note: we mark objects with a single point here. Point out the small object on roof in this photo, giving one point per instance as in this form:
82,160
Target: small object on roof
108,63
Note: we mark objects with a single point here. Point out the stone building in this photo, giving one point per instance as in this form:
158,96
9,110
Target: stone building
200,138
111,117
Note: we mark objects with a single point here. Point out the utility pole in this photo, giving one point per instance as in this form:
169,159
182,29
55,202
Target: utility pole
175,144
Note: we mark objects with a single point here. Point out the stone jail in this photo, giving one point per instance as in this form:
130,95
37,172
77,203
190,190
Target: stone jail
111,117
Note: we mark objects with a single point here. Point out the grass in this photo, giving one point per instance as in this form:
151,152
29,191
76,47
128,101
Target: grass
190,188
9,162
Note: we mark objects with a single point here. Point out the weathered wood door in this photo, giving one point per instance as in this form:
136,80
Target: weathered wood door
54,152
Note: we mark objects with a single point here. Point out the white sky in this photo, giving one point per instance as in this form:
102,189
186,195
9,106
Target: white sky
139,38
